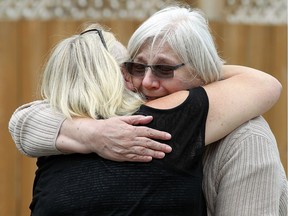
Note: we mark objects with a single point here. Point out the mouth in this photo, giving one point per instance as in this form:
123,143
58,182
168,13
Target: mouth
149,98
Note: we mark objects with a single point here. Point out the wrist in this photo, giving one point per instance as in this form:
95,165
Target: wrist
73,136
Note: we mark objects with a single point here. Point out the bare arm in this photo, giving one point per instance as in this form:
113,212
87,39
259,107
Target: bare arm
243,94
34,128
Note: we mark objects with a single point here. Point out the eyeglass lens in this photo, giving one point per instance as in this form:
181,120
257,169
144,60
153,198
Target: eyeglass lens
161,71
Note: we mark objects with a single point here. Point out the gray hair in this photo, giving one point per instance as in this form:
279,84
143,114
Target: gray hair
187,32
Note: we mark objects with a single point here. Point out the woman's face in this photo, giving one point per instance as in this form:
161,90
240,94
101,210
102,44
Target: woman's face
154,87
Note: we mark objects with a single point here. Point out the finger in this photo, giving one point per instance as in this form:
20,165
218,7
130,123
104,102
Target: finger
135,154
147,147
156,146
145,131
137,119
139,158
142,131
145,152
148,144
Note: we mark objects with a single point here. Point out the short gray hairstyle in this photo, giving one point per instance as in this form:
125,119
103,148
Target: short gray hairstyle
187,32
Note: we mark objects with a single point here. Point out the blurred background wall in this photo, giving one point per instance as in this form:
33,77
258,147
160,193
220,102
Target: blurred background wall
251,33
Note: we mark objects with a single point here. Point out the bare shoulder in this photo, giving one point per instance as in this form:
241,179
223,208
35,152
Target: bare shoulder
169,101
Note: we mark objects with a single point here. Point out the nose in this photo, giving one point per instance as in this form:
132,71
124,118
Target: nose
150,81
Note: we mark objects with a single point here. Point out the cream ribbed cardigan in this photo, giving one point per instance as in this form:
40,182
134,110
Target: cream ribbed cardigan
243,174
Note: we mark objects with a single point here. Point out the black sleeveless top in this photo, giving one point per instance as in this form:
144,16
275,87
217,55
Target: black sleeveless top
89,185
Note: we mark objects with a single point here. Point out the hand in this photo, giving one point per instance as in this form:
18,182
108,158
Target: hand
115,139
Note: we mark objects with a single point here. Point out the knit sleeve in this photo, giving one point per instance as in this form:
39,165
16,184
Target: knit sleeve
34,128
243,174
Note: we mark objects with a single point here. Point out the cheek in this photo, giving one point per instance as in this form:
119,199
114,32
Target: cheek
176,85
183,81
136,82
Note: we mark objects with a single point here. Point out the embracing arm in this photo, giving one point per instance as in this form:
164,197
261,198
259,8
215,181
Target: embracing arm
243,94
37,131
115,138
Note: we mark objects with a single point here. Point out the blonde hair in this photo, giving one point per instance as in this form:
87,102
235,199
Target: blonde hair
82,78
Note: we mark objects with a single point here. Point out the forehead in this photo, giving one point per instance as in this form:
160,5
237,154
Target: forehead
156,52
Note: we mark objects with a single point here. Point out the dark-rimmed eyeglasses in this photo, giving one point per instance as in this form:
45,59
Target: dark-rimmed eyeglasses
99,33
161,71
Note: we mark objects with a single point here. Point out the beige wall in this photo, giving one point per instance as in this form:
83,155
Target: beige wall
25,44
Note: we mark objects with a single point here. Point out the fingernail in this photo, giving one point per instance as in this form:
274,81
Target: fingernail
168,136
